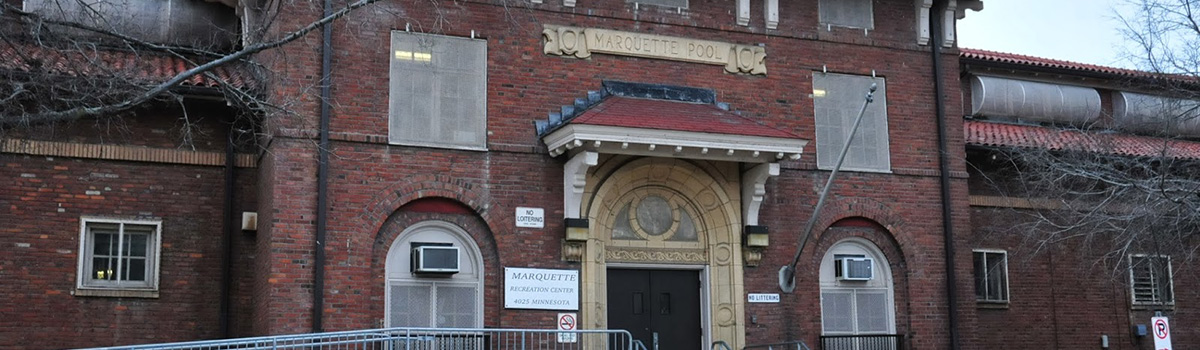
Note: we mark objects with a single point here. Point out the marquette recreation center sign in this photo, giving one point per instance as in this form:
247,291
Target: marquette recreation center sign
542,289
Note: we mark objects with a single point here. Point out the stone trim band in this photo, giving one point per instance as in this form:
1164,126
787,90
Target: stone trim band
117,152
582,42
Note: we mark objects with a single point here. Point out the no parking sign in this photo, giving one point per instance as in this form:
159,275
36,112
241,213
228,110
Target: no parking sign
1162,333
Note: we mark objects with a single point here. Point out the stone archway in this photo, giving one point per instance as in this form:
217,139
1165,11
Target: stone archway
703,232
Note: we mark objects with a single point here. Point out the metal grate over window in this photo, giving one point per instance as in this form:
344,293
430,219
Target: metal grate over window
837,99
438,91
1151,280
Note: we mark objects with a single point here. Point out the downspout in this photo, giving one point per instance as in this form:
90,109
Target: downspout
318,297
935,26
227,238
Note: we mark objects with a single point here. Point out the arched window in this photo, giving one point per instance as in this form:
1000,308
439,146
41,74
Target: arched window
439,298
856,290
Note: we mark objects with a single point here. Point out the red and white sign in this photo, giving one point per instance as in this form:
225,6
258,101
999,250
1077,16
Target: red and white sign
567,322
1162,333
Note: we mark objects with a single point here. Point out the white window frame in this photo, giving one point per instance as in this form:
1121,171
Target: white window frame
1133,281
432,140
875,111
870,16
686,3
86,285
397,270
985,252
881,283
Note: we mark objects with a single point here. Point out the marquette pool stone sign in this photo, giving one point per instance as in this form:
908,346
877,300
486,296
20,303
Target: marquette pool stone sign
541,289
582,42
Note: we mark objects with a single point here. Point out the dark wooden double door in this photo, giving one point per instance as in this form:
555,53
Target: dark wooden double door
656,303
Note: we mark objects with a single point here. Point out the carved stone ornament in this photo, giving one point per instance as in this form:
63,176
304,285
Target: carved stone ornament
573,251
752,255
626,254
582,42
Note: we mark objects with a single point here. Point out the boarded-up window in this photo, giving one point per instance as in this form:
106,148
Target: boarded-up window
847,13
837,100
438,91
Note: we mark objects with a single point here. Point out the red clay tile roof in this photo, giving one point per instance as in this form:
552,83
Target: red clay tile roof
141,67
980,133
674,115
1002,57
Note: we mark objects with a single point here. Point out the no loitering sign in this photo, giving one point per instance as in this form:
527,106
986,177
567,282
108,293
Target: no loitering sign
531,217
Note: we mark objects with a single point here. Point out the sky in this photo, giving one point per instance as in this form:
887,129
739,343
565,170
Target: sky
1085,31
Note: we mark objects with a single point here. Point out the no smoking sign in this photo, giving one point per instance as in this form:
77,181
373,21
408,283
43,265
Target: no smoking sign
567,321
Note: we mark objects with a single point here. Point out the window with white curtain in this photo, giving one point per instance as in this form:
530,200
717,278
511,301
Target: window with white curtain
837,101
847,13
438,91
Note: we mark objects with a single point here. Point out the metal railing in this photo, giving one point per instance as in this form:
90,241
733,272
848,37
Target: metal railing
791,345
418,339
863,342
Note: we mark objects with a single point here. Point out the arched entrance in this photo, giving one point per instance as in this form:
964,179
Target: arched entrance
668,229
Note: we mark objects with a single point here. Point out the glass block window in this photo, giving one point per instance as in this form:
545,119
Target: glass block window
837,100
438,91
847,13
1151,280
991,276
116,254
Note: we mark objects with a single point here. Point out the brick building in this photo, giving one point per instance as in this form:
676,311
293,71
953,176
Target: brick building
677,147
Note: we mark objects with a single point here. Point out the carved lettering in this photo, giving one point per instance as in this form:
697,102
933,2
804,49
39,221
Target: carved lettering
581,42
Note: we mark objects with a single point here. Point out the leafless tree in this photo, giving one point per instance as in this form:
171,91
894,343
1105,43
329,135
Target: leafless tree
1118,186
1102,203
66,60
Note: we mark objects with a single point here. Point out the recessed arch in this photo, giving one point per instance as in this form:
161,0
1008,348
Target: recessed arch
849,303
433,300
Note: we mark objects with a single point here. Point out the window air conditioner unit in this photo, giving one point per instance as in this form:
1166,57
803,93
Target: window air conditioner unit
854,269
435,258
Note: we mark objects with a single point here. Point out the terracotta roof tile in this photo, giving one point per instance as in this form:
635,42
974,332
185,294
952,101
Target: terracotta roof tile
1026,136
674,115
142,67
1002,57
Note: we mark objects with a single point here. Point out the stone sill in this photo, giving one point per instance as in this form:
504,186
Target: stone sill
115,293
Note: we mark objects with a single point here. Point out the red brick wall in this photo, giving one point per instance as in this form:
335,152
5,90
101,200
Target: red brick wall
42,207
370,181
1064,297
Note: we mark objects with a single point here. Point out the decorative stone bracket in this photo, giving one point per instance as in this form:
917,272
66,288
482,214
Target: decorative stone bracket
754,190
582,42
574,183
